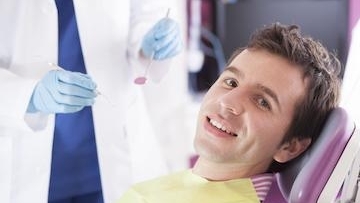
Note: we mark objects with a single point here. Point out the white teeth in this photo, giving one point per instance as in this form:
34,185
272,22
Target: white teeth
219,126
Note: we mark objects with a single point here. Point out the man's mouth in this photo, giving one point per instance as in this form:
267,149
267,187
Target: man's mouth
220,126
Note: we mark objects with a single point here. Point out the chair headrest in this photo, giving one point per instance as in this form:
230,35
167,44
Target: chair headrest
316,165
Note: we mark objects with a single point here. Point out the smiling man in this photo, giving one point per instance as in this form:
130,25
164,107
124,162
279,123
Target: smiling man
264,110
245,115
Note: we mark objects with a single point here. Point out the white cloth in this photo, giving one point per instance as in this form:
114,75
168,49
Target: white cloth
110,34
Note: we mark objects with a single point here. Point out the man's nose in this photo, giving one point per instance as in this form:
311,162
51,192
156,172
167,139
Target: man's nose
232,102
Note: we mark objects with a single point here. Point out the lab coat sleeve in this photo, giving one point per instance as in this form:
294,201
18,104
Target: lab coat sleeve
16,93
143,15
17,84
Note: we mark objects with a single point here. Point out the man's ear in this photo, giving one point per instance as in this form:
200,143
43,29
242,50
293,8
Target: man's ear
291,149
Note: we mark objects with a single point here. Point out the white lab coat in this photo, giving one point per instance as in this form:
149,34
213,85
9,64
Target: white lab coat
110,32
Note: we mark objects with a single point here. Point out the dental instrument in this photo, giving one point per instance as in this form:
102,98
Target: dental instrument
96,91
141,80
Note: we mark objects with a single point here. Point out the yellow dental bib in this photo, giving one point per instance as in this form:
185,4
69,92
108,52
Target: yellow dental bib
185,187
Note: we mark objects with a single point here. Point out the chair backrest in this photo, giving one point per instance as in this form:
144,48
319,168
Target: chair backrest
319,174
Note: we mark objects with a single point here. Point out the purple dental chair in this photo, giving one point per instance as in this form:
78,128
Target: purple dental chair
328,172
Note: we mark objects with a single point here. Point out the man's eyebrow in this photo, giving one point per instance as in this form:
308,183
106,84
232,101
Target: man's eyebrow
235,71
269,92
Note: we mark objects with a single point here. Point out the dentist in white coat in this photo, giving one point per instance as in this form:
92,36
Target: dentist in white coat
116,41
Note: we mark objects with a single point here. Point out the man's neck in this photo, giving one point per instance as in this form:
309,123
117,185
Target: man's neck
223,171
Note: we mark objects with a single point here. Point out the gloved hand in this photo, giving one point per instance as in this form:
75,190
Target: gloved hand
163,40
61,91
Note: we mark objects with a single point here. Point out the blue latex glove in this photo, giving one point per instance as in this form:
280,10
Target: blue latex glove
61,91
163,40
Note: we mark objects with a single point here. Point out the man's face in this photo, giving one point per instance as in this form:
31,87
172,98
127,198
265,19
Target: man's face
246,113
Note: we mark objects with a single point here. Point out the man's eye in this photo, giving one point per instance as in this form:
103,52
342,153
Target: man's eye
231,82
263,103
